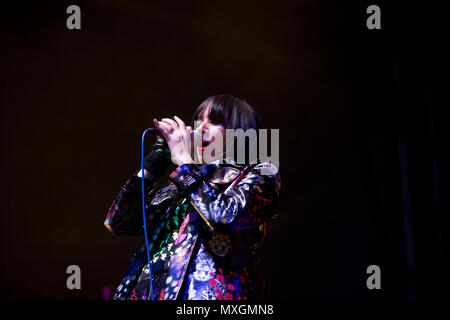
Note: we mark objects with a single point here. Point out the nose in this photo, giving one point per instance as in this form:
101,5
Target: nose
201,129
197,135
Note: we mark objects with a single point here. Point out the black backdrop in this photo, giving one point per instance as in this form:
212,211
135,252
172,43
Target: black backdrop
360,113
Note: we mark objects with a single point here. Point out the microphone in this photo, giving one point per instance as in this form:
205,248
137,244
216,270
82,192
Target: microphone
154,131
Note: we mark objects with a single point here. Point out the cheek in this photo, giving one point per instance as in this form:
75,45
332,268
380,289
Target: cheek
219,133
214,131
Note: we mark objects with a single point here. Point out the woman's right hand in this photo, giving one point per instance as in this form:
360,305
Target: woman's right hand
178,137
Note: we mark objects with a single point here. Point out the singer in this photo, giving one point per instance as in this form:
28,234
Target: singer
207,224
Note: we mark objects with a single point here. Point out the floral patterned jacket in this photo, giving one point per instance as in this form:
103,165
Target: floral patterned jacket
205,230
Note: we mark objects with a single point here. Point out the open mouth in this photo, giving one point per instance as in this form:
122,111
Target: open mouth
206,142
204,145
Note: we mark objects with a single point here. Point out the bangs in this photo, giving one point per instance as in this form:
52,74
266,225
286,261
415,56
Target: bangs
198,114
229,111
218,115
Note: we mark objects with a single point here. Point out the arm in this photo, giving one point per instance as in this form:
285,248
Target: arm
248,202
125,214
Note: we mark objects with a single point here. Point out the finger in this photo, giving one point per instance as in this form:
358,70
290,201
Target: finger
166,126
180,122
189,130
171,122
161,127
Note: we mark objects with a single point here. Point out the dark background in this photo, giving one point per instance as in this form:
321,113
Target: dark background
362,131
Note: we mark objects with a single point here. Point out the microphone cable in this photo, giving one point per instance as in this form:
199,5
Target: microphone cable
144,214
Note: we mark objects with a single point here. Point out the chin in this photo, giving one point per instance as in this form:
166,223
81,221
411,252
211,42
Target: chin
200,158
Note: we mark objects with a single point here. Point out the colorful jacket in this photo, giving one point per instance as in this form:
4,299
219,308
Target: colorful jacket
205,230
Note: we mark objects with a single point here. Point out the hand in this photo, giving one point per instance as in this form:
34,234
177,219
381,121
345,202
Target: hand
178,137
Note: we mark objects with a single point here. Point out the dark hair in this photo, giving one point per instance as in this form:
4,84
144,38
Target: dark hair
231,112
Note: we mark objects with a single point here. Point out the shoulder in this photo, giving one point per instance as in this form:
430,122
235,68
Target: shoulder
268,174
267,169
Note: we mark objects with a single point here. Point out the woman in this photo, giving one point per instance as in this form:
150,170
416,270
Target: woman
207,225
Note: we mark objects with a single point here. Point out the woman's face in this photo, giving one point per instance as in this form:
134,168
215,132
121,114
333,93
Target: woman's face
213,138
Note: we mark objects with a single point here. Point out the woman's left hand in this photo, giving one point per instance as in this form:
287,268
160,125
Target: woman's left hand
178,137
